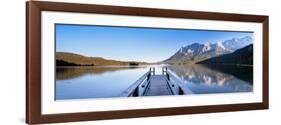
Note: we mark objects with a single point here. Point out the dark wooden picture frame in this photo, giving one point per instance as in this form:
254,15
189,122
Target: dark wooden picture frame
33,61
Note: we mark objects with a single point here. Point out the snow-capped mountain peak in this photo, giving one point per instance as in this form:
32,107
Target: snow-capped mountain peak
207,47
220,44
237,43
198,51
190,51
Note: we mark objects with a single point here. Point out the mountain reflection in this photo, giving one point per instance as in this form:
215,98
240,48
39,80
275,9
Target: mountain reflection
203,79
63,73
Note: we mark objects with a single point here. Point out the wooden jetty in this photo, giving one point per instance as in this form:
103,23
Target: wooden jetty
151,84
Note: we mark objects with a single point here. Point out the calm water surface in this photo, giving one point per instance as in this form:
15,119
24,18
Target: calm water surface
103,82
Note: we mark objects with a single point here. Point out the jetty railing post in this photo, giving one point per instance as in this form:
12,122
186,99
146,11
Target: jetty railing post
153,70
168,76
165,72
136,92
148,76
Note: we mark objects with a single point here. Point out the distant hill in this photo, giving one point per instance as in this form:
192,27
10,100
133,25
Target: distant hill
65,63
197,52
71,59
243,56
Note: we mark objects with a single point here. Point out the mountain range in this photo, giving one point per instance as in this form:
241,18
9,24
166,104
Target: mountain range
197,52
242,56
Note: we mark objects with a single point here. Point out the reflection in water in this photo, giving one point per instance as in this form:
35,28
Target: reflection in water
94,82
201,79
73,72
104,82
242,72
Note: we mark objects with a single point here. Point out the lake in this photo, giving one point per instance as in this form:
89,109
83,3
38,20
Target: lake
111,81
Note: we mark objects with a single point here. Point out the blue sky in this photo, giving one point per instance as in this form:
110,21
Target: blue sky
132,44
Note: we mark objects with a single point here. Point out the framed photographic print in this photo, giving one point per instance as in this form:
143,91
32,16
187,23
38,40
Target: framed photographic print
93,62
